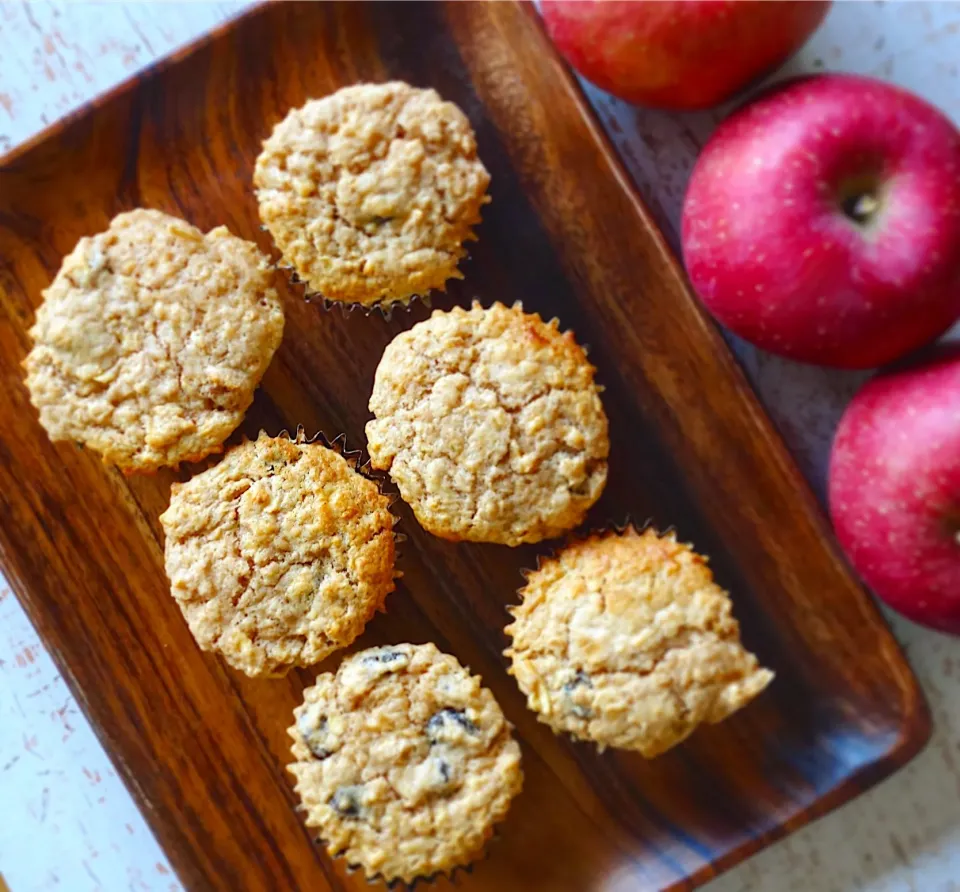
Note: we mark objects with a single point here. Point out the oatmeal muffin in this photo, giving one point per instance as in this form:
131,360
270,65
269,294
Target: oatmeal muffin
370,193
491,425
151,340
279,554
626,640
403,762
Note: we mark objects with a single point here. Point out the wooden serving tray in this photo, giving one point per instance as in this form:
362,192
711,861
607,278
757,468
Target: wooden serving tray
203,748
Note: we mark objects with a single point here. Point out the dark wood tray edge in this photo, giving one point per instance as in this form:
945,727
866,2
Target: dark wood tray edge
917,727
916,720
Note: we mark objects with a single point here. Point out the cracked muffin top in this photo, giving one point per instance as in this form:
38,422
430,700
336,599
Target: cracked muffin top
369,193
491,425
151,340
626,640
403,761
279,554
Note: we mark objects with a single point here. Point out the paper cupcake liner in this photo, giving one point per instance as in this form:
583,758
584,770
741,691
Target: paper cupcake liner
385,309
582,535
399,885
347,308
381,308
339,445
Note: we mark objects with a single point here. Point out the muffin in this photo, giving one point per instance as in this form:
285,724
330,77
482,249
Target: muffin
491,425
151,340
626,640
369,193
403,762
279,554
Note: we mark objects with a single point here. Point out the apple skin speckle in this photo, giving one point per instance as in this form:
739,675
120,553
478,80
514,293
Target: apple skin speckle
838,292
894,489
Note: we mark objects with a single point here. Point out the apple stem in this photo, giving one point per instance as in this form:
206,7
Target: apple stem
864,207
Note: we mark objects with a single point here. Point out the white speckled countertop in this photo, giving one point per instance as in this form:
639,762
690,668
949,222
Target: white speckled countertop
66,821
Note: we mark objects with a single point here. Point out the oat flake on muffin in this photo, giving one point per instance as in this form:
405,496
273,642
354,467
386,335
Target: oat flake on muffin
151,340
403,762
279,554
369,193
491,425
626,640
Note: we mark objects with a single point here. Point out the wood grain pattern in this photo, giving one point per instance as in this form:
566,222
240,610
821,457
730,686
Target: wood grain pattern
203,748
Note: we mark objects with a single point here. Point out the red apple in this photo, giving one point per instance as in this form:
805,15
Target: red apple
894,489
679,54
822,222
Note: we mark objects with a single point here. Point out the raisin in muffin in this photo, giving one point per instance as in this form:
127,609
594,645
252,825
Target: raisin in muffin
626,640
403,762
